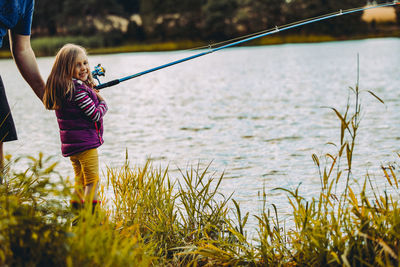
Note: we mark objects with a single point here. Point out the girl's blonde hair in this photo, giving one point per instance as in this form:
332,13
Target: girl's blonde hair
59,85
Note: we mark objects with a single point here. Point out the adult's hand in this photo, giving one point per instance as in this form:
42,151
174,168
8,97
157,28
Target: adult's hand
26,62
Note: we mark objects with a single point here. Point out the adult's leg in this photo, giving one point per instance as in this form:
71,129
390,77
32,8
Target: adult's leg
1,163
7,127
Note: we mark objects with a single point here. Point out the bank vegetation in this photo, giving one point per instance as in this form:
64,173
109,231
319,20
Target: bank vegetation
151,218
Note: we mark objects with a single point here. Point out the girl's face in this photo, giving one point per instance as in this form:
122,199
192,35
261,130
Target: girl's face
81,68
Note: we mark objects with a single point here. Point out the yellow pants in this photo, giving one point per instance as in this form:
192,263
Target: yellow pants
86,168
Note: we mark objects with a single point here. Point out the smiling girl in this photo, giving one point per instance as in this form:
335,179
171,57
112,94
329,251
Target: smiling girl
79,109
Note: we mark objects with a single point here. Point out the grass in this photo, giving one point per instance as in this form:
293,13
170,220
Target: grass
143,47
153,219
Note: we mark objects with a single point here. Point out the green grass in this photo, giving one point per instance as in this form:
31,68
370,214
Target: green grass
143,47
5,54
153,219
48,46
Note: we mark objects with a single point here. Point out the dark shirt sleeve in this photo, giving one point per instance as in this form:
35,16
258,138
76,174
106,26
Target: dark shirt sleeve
24,24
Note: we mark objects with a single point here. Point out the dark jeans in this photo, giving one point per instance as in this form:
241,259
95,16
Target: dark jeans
7,127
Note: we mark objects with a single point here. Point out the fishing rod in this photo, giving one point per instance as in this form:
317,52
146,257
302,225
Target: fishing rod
100,71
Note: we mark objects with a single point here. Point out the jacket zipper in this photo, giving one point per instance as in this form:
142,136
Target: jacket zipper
98,133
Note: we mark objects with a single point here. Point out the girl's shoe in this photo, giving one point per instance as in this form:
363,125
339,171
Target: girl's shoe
76,207
94,204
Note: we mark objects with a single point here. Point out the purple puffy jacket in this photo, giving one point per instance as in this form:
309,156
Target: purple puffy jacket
77,131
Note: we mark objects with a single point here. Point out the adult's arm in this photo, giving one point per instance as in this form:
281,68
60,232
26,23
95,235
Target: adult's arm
26,62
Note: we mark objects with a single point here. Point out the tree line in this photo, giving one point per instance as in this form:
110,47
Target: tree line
163,20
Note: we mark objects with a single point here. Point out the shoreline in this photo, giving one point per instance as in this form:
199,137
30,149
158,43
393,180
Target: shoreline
42,51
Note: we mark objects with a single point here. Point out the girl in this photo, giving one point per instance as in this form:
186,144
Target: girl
79,109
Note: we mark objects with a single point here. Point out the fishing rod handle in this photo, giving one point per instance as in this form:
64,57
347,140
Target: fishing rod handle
107,84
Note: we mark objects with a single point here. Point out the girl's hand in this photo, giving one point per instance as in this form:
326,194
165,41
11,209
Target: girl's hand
99,97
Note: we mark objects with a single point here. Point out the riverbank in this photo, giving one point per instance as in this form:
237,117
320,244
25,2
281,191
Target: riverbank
154,218
48,46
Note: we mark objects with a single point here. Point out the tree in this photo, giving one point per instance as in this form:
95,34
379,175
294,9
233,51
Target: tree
259,15
149,10
46,16
397,9
130,6
72,17
78,16
156,15
218,18
341,25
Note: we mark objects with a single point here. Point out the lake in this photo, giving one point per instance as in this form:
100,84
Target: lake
257,114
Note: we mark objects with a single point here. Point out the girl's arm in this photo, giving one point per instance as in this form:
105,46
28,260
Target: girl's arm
86,104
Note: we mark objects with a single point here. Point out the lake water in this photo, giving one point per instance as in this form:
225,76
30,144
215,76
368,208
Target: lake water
255,113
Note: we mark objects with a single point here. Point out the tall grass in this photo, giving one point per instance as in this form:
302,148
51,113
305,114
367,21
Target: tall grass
152,219
35,225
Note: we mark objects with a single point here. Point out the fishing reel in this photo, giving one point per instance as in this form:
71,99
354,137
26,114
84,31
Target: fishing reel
98,71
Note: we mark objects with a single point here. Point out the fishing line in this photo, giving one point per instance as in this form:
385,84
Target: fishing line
237,41
263,31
